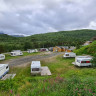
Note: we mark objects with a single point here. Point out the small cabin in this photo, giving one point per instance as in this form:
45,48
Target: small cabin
16,53
83,60
35,67
4,69
43,49
69,55
32,50
60,49
2,56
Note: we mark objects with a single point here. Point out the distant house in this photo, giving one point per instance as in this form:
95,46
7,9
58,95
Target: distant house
43,49
16,53
2,56
87,43
61,49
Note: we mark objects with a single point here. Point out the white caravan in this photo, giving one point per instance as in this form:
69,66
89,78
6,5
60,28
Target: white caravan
69,54
2,57
4,69
83,61
35,67
32,50
16,53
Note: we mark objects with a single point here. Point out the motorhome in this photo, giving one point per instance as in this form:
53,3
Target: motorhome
32,50
16,53
4,69
35,67
2,56
69,55
83,61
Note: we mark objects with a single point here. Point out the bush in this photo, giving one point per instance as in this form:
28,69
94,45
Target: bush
93,61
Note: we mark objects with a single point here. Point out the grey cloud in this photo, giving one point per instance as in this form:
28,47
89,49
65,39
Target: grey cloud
41,16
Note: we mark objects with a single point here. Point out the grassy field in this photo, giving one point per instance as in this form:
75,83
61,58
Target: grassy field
66,80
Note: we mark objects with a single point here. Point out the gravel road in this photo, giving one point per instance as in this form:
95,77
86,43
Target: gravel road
28,59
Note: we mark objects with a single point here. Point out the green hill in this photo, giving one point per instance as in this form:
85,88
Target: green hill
75,37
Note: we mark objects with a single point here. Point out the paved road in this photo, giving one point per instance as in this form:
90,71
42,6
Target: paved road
28,59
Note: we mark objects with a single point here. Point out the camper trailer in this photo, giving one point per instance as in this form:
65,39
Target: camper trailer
16,53
35,67
2,57
32,50
43,49
69,55
4,69
83,60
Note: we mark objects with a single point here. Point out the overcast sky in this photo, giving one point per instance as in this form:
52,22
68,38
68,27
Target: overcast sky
40,16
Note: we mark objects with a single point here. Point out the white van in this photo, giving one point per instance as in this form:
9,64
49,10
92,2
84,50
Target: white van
69,55
35,67
16,53
4,69
32,50
83,60
2,57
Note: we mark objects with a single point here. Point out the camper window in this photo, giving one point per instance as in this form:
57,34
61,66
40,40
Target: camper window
84,61
78,61
35,69
2,56
6,67
11,53
67,54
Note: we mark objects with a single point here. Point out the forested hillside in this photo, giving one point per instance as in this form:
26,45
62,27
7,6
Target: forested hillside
89,49
76,37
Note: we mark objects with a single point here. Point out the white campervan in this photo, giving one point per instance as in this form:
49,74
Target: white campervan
83,60
2,57
16,53
4,69
69,54
35,67
32,50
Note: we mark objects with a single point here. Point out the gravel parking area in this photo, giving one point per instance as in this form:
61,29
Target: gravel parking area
28,59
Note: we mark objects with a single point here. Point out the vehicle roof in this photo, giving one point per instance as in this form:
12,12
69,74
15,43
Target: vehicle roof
84,57
1,65
35,64
70,53
1,54
16,50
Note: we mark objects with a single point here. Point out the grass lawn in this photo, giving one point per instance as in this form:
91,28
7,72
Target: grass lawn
66,80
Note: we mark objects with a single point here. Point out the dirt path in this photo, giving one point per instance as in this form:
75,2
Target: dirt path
27,59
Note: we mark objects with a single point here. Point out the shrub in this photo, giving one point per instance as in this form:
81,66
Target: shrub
93,61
